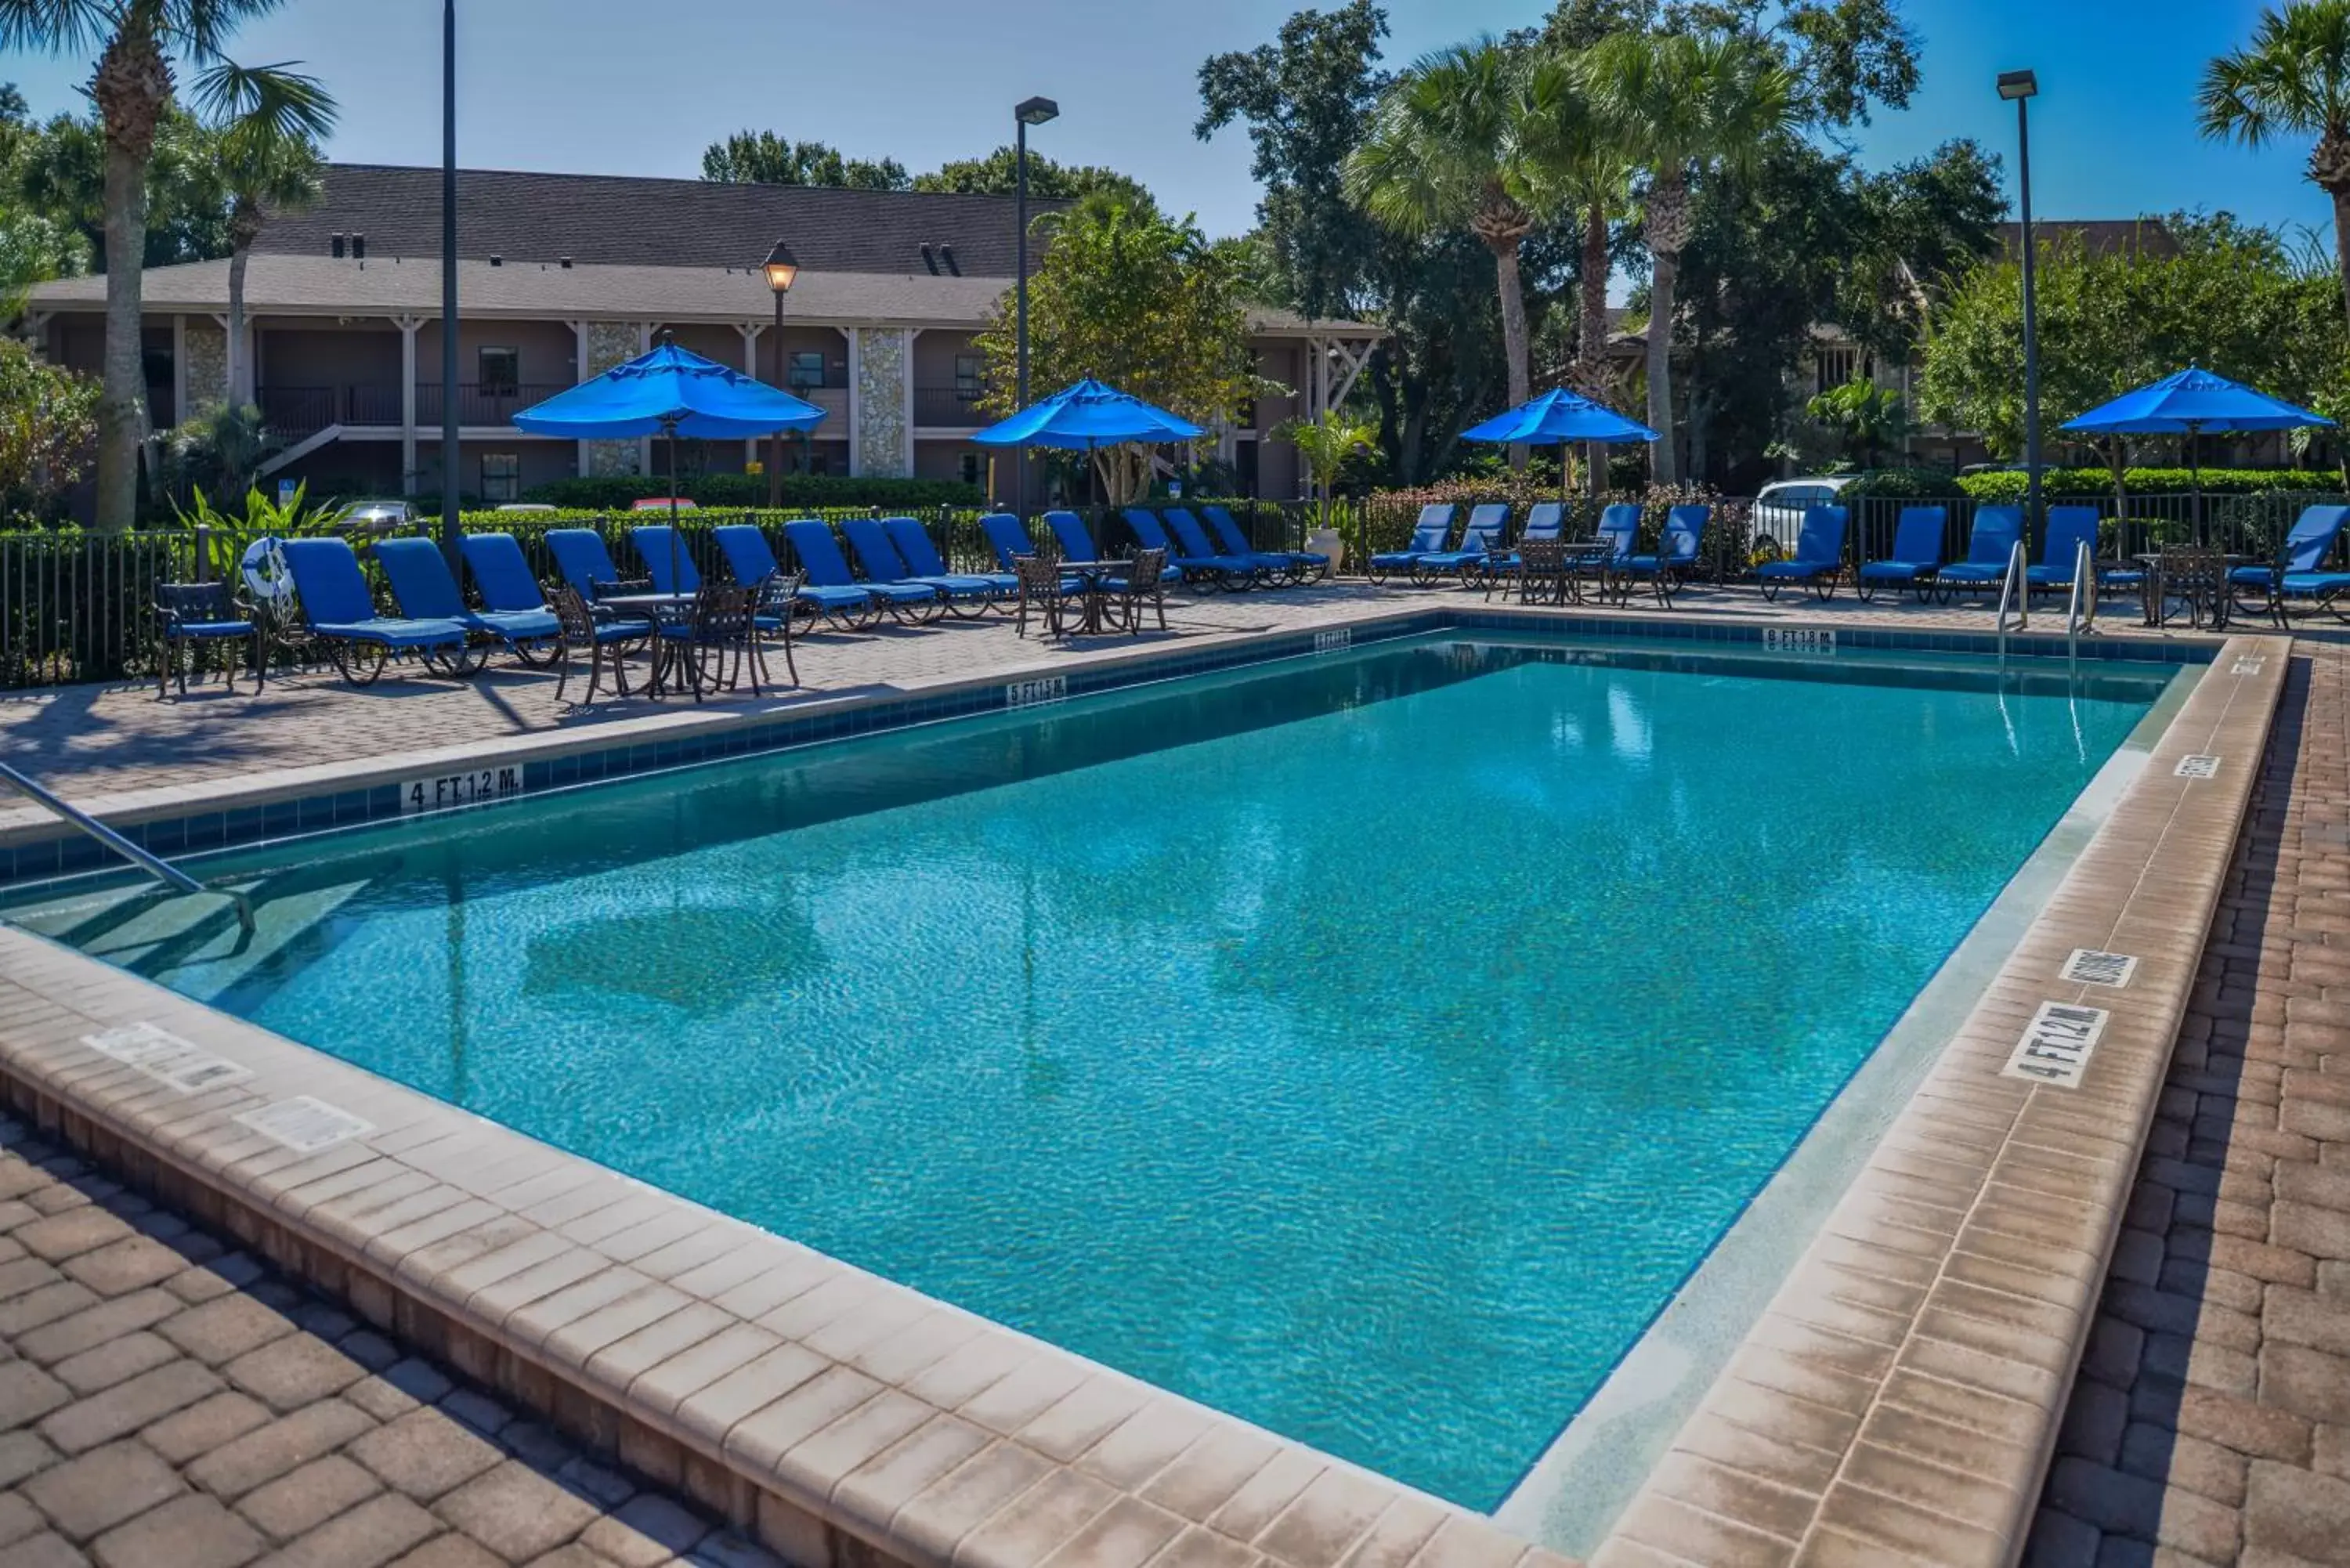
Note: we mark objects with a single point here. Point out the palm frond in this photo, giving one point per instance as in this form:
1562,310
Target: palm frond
54,27
274,102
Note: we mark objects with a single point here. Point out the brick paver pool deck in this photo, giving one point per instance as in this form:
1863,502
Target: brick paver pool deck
2210,1422
167,1401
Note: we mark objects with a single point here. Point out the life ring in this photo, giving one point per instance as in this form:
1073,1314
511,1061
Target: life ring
265,573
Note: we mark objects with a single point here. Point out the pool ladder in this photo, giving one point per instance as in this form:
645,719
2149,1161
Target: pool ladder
153,865
2080,612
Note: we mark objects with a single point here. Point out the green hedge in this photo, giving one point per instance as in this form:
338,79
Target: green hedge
2009,486
742,489
1907,484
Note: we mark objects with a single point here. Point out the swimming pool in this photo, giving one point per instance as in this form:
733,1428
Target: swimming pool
1367,1046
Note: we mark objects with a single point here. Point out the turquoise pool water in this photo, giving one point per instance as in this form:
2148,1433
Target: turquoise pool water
1368,1046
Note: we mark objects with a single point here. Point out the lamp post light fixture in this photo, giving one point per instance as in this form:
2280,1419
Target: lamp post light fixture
1030,111
450,460
783,269
2019,88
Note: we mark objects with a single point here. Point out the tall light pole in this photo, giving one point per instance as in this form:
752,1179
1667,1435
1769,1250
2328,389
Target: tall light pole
2019,88
449,461
782,268
1031,112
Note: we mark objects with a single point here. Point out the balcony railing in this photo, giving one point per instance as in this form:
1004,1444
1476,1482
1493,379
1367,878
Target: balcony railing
950,406
295,413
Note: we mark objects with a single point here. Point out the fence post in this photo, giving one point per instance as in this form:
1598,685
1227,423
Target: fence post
203,553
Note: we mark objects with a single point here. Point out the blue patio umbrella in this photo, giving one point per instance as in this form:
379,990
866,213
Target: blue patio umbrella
669,393
1085,416
2189,403
1562,417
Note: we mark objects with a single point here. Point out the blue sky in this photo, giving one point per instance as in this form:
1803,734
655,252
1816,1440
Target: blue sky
619,86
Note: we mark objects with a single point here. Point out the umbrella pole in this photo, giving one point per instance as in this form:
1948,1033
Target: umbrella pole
2195,462
672,432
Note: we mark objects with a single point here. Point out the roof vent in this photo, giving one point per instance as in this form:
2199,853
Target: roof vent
946,254
563,262
358,247
929,261
335,245
498,261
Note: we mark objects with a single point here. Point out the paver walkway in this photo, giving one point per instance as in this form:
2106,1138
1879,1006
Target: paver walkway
166,1402
2210,1422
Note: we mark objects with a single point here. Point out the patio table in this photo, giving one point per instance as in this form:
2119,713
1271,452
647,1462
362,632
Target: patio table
2155,602
648,607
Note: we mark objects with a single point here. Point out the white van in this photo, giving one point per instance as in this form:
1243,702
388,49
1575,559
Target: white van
1779,506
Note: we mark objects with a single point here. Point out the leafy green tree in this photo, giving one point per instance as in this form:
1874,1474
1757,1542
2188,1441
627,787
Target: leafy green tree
1846,55
1865,418
136,42
2232,298
1458,143
997,175
1327,445
763,158
268,119
1307,99
48,422
1136,300
2294,79
61,174
1681,105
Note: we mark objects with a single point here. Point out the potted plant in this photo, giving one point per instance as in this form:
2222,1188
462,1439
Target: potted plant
1325,444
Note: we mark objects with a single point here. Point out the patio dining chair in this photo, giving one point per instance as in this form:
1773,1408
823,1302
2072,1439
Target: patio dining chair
1043,585
615,637
1142,584
198,616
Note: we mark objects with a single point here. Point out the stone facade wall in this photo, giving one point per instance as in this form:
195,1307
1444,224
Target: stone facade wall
611,343
207,346
883,364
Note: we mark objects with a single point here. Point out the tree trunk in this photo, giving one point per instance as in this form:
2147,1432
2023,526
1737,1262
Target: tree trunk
1515,348
2341,194
132,85
238,392
1592,333
1664,267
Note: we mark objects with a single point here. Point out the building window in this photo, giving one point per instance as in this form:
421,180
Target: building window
806,372
974,468
501,476
501,371
818,463
970,378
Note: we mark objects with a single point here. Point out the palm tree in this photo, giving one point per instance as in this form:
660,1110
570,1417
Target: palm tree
2295,78
1591,176
1327,443
1458,142
136,42
270,119
1681,104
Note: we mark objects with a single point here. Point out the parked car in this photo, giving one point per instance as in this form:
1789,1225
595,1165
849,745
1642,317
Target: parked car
524,506
372,519
663,503
1779,506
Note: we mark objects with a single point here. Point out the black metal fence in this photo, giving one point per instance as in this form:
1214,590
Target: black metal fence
77,607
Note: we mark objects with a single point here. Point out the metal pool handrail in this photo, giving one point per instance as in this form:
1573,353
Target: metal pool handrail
2081,614
2013,587
153,865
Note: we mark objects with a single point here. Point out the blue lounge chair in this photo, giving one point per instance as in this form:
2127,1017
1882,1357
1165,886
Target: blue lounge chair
1819,554
1077,544
1298,566
1917,555
920,551
1991,544
338,611
1479,539
751,561
871,541
1428,537
1207,569
2069,529
819,556
1267,568
581,559
1675,557
2299,571
502,573
667,560
422,587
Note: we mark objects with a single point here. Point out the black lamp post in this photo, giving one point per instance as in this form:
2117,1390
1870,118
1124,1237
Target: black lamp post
781,267
2019,88
1031,112
449,461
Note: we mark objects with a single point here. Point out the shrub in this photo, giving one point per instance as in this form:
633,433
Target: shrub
615,493
2008,485
1907,484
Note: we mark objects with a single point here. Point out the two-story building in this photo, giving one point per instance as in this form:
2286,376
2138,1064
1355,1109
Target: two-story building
562,276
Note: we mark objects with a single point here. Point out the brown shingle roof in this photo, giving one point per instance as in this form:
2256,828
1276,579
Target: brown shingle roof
624,221
2098,236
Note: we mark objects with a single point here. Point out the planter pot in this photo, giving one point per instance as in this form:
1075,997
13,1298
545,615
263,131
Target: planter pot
1326,542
